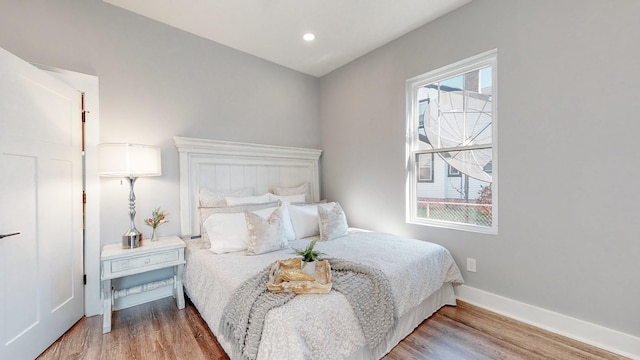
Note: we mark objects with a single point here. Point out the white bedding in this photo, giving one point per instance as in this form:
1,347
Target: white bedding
322,326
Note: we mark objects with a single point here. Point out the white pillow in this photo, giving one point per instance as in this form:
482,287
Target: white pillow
332,221
227,232
208,198
286,223
304,220
265,235
301,189
298,198
261,199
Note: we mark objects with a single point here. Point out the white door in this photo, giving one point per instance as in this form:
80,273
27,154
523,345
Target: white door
41,283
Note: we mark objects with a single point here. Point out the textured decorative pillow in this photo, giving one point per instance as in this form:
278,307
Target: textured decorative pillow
206,212
265,235
301,189
260,199
298,198
304,220
208,198
332,221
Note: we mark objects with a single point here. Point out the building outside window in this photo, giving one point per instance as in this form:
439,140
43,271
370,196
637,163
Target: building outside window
451,146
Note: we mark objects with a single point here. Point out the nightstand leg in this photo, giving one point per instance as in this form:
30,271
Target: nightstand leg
106,301
179,291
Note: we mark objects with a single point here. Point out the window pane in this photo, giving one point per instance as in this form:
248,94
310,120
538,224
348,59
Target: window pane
462,199
486,80
456,82
456,111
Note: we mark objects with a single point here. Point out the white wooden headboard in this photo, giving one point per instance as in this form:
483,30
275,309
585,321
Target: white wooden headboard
223,166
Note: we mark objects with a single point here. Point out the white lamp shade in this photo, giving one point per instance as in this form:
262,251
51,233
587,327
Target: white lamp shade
128,160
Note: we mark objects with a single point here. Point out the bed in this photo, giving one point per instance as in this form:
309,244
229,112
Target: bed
420,275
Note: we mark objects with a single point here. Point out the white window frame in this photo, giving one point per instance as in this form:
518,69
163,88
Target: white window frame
489,58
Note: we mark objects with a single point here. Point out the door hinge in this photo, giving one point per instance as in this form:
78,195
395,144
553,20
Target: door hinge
84,279
84,197
84,111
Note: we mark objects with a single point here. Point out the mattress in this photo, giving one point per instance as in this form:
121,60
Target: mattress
324,326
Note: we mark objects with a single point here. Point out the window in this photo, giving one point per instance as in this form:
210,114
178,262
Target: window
451,146
453,172
425,167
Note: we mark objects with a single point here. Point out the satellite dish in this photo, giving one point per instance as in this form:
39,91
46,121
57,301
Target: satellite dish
461,118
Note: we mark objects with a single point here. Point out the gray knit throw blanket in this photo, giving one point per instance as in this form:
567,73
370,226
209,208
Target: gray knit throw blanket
366,288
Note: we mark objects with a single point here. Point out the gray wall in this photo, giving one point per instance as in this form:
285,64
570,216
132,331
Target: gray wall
569,198
157,82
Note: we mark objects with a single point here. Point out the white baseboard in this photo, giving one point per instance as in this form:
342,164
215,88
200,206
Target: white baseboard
592,334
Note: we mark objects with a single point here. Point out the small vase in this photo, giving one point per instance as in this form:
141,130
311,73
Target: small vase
154,234
309,268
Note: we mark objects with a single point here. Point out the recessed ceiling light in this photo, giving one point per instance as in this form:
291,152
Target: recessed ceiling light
308,37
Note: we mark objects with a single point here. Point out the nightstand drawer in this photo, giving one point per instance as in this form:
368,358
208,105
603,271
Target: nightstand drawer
142,261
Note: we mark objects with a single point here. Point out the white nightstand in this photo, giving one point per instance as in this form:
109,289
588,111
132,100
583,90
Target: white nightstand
152,255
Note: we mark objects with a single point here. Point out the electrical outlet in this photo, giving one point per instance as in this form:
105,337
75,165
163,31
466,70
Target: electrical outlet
471,265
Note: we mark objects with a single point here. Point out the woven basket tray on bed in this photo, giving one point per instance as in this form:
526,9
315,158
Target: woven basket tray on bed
321,285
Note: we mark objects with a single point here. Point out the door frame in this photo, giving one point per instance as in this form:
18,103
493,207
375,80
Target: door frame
89,85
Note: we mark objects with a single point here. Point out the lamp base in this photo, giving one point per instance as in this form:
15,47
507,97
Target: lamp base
131,240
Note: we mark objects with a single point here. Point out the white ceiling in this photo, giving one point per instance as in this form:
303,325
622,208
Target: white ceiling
273,29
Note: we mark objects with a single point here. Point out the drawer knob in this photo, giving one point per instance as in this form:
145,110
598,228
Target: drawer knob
147,260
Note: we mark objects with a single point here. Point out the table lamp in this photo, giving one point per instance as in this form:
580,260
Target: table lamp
130,161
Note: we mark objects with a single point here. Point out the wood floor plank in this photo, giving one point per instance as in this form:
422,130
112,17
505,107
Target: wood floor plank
158,330
534,341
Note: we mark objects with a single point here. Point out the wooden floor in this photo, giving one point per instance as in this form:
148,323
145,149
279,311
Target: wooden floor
158,330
